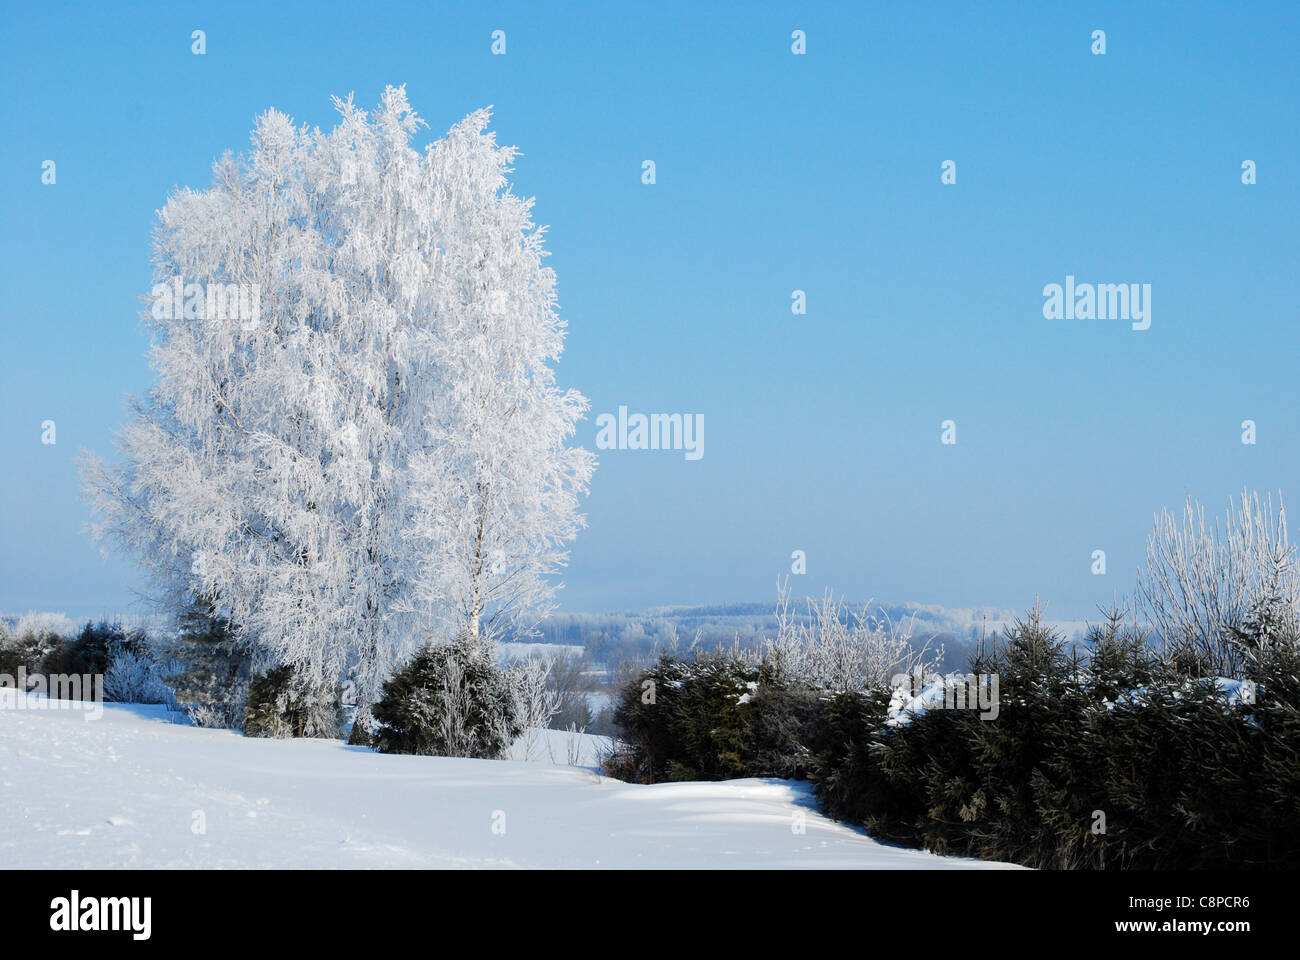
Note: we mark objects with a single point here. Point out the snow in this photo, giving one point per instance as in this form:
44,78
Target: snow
1233,691
133,789
553,746
934,695
902,707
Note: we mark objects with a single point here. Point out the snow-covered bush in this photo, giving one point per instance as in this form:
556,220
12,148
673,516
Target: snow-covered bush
839,650
571,683
209,669
572,745
46,626
36,636
92,648
689,718
280,708
1216,594
451,700
1099,761
133,676
536,703
754,713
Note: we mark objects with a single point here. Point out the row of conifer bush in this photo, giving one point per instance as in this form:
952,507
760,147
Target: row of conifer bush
1110,758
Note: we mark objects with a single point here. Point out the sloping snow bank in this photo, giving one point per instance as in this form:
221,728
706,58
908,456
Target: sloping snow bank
560,747
132,789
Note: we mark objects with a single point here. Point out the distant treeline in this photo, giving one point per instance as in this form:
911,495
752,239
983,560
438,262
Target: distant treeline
612,640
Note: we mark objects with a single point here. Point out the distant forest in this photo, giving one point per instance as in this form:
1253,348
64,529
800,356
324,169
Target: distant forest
612,640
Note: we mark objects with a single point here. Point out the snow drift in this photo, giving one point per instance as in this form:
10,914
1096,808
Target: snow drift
133,789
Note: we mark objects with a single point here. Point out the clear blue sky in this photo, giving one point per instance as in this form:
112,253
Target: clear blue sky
775,172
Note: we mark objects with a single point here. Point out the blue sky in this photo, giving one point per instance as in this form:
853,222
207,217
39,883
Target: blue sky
774,172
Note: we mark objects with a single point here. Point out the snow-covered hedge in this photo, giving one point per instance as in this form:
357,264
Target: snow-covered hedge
1039,756
1109,761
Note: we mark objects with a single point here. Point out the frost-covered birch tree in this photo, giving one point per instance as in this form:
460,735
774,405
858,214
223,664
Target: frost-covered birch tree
370,453
495,489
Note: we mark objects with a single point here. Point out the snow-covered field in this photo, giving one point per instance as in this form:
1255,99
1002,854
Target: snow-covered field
133,789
